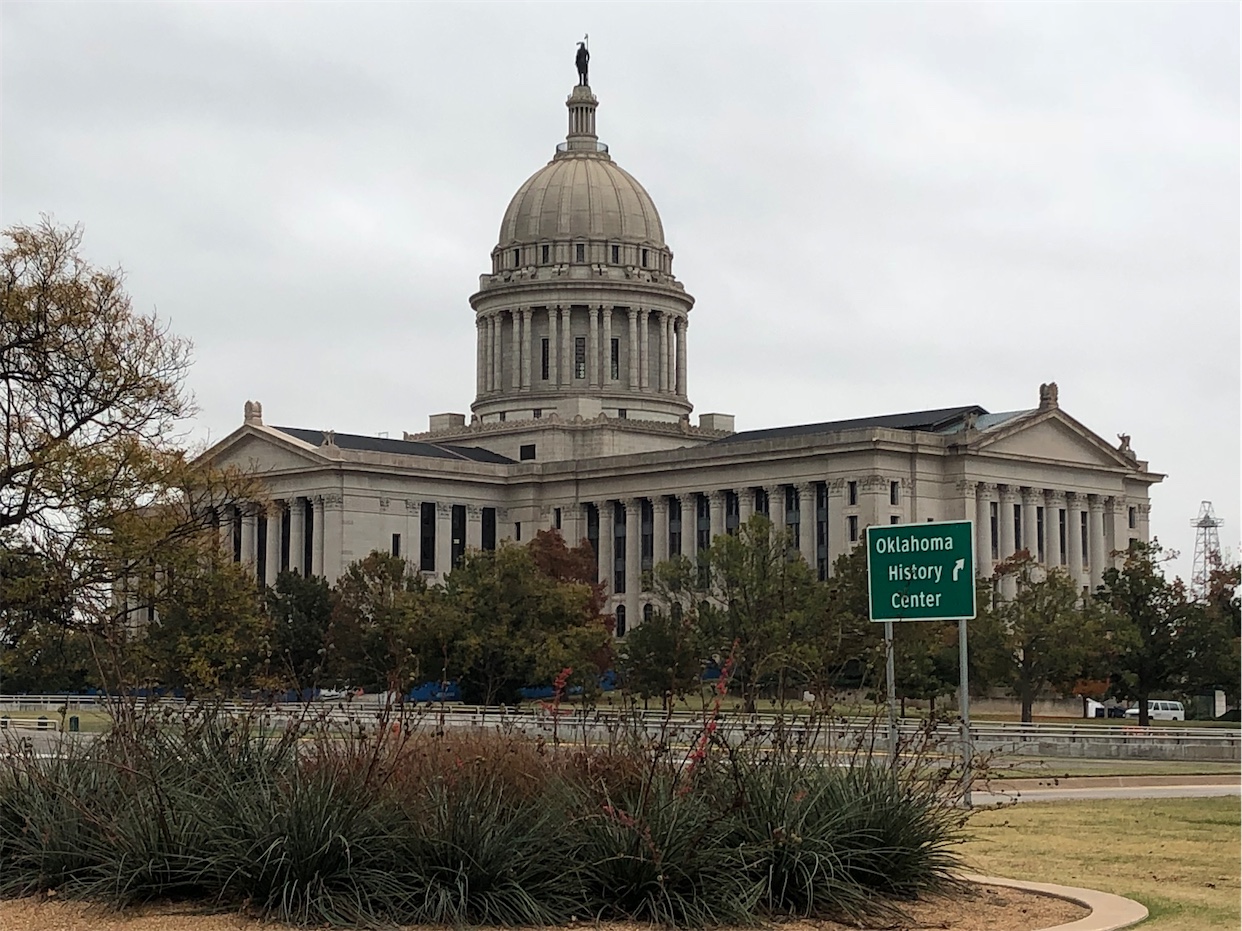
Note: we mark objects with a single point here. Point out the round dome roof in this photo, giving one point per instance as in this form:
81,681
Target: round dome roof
581,194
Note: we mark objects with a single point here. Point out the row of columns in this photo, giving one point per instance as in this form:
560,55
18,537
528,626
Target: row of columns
324,526
776,497
664,372
1086,566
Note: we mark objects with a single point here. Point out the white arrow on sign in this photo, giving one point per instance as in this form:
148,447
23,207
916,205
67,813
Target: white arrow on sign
958,567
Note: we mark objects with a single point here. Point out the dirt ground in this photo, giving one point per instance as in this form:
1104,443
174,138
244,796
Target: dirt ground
977,908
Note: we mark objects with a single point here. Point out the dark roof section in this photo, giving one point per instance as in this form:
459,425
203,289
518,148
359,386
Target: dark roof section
924,421
381,444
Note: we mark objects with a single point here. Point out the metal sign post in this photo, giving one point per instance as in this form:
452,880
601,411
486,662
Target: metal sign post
924,572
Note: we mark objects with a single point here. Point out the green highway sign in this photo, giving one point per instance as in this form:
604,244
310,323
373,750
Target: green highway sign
922,572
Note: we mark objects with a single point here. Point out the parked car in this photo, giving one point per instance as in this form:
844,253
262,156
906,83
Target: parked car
1161,711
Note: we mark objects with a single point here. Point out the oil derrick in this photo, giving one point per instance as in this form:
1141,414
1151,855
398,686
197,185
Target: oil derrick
1207,548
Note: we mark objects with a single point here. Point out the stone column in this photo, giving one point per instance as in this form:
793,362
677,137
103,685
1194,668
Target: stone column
1073,537
1053,502
659,529
297,535
493,326
806,522
474,527
1116,530
333,536
1005,530
633,383
1143,531
633,560
838,538
689,525
776,506
1097,558
1031,500
275,513
664,352
528,347
985,495
515,351
553,349
444,538
745,504
670,383
593,347
567,349
224,529
606,375
317,537
681,357
716,512
644,350
480,355
249,536
606,560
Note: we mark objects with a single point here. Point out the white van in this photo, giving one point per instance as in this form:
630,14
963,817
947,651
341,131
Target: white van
1161,711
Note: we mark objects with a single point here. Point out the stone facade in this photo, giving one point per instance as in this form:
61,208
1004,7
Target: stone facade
581,422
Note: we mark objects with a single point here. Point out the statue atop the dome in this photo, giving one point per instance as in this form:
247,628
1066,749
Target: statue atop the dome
582,59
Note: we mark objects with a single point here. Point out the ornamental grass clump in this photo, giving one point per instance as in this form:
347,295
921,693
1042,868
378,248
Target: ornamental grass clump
394,819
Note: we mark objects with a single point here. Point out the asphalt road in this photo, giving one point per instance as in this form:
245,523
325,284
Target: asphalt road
1106,792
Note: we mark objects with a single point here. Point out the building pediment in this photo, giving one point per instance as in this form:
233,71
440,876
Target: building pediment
263,449
1052,435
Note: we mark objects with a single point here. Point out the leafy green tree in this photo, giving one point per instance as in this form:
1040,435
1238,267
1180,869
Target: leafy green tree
850,645
1046,638
1150,613
1210,637
378,605
925,657
301,618
762,608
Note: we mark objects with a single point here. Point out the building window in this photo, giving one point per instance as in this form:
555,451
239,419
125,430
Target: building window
592,533
527,452
545,359
648,612
732,513
517,531
1061,530
644,258
396,544
260,556
537,413
1133,516
994,520
851,524
622,413
1086,551
1017,526
618,547
286,527
427,537
894,519
894,493
616,255
793,516
851,493
1041,526
620,620
615,366
579,357
308,538
556,518
544,255
458,526
674,526
821,530
489,529
580,252
502,416
516,257
704,526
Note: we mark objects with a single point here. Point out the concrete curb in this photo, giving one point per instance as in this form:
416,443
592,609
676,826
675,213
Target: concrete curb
1108,912
1115,782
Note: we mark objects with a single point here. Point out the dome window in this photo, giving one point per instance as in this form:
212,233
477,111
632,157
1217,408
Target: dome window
545,255
517,257
580,252
616,255
644,258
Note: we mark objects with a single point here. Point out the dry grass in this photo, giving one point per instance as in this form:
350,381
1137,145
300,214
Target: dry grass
1179,857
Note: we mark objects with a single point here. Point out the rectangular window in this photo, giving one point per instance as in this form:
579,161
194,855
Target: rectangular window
894,493
427,537
851,494
517,257
732,513
704,535
1133,516
821,530
556,518
286,528
894,519
308,538
644,258
396,544
618,547
994,519
1086,552
544,255
1017,526
517,531
527,452
622,413
537,413
615,364
502,416
1061,530
674,526
458,526
544,359
489,529
579,357
260,556
1040,524
592,534
616,255
646,543
851,523
580,252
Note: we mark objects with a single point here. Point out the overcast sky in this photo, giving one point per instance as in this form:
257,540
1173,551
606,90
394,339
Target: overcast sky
878,207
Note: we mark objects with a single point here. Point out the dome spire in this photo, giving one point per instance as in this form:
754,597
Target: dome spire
582,104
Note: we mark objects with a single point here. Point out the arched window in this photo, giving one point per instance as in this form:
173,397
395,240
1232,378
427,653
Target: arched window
620,620
648,611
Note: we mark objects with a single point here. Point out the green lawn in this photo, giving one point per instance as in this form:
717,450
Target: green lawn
1179,857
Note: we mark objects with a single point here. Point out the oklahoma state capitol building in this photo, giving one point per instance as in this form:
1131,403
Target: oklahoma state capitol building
581,422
